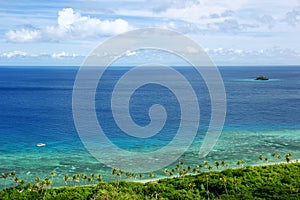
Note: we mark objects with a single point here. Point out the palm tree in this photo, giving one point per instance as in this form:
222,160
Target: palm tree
92,177
16,180
194,170
75,178
223,179
52,174
4,176
206,164
151,175
238,163
22,182
183,172
121,172
119,175
170,173
89,180
275,155
99,178
114,171
84,177
199,167
29,186
167,172
242,163
47,183
210,168
217,164
141,176
207,191
133,175
266,159
288,157
36,186
178,166
279,157
189,168
78,178
43,183
37,180
128,175
66,178
223,163
12,175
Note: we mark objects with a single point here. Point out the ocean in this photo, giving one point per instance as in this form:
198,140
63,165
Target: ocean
36,107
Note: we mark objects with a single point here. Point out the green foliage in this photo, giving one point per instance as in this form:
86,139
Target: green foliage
278,181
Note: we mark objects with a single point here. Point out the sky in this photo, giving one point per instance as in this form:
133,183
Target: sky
64,32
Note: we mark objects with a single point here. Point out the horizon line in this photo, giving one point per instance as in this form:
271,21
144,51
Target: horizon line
129,66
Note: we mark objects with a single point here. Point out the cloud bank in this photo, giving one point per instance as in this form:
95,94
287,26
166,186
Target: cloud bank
243,31
70,25
16,53
227,55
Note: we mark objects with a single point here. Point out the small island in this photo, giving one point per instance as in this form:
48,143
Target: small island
263,78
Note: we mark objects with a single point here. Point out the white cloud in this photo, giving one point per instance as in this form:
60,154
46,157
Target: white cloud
70,25
16,53
161,6
63,55
268,20
269,52
293,17
269,56
130,53
205,11
183,27
197,12
59,55
230,25
19,53
23,35
202,16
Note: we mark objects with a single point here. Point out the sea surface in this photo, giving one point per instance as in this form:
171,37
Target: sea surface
36,107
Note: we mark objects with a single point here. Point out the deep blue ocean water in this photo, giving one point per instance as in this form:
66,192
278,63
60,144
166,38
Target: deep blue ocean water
36,106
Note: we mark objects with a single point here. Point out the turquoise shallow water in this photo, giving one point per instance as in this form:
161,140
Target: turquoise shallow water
36,106
232,146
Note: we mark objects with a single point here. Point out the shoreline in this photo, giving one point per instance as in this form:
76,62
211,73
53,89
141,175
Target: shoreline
148,180
236,141
257,165
20,188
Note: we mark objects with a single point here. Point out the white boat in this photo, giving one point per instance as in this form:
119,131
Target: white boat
41,145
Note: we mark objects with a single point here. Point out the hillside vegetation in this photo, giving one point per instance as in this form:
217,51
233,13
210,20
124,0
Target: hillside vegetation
278,181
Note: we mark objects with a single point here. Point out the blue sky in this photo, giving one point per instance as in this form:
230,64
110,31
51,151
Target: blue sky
63,32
